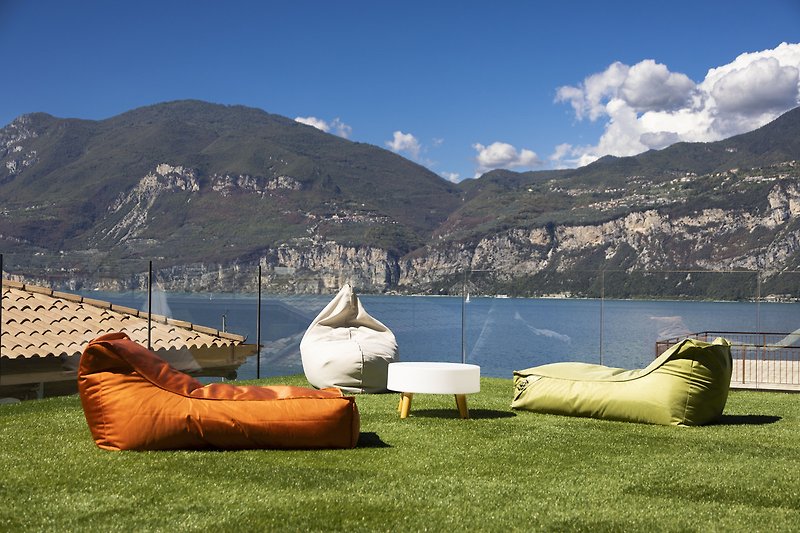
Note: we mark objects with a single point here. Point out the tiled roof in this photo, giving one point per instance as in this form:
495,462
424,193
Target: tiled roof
39,322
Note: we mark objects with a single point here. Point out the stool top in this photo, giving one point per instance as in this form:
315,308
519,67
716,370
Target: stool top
434,377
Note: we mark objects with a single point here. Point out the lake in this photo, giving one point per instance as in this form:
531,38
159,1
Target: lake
499,334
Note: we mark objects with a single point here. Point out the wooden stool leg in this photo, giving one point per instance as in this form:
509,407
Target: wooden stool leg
461,403
405,404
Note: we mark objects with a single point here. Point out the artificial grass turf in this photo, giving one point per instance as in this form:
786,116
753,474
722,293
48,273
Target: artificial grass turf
500,470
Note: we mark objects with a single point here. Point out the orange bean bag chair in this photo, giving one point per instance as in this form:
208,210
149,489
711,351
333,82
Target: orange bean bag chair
134,400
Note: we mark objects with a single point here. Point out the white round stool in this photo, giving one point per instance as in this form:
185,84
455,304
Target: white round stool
409,378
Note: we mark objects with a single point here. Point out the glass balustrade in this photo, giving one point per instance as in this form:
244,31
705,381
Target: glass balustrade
209,321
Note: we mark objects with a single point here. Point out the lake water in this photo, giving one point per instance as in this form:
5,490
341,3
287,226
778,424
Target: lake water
499,334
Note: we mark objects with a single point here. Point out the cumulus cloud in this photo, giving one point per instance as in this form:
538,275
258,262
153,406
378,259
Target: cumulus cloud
314,121
650,86
763,85
561,153
454,177
646,106
659,139
337,127
341,129
405,143
587,99
503,155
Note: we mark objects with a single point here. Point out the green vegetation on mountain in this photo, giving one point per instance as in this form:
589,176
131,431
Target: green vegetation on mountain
343,189
190,183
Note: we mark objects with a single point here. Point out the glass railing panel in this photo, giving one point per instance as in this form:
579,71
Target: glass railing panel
617,318
771,358
645,312
511,325
289,303
277,316
427,328
215,301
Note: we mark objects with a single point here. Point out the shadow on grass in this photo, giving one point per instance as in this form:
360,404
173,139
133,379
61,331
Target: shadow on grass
452,413
746,420
370,439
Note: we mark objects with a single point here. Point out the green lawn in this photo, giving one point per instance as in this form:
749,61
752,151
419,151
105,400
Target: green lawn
498,471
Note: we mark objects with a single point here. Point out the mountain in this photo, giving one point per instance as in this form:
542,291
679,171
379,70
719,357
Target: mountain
180,178
208,191
503,199
773,143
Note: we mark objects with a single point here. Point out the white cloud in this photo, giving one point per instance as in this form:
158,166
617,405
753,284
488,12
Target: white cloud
503,155
337,127
659,139
647,106
650,86
454,177
559,155
561,151
314,121
587,99
341,129
761,86
405,143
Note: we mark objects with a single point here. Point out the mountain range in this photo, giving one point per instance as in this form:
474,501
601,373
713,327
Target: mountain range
211,190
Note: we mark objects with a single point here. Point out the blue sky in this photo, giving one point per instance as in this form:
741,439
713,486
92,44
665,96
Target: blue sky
458,86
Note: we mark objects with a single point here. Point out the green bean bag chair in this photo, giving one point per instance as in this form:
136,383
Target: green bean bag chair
686,386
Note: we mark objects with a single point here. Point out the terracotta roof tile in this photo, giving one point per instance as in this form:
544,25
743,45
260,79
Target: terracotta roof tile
39,322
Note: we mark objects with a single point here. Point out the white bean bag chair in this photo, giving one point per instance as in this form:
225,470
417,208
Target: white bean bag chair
346,348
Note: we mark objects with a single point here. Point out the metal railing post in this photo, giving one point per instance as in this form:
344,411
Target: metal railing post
258,327
2,295
602,309
149,304
464,319
758,300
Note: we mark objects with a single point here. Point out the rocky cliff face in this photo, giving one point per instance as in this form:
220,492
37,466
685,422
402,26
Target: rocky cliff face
13,147
765,240
711,239
135,205
650,240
